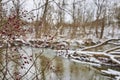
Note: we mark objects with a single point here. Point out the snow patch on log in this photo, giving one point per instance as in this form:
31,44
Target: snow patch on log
112,72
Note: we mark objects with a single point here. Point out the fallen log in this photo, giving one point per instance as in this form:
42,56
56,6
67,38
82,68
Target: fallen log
112,49
98,45
101,54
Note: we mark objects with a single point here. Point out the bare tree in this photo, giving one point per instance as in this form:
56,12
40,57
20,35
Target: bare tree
0,9
37,23
100,13
45,10
17,6
74,19
61,15
117,15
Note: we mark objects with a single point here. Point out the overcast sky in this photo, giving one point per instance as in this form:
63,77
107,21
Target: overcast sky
32,4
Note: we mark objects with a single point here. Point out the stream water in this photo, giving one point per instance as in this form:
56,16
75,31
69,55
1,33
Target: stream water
48,66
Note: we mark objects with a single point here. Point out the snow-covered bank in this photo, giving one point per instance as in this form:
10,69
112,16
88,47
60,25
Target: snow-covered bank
79,51
78,46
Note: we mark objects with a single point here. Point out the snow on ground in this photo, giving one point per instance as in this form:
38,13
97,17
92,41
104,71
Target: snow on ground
65,53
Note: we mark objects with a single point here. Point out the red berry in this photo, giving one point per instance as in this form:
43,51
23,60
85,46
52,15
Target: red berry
25,57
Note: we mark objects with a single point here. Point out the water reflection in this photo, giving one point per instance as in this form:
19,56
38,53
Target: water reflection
64,69
48,66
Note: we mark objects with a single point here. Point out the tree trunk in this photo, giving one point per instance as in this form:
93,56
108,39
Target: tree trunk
44,17
102,29
0,10
96,30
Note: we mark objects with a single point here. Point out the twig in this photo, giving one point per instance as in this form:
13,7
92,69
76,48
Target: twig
31,65
38,7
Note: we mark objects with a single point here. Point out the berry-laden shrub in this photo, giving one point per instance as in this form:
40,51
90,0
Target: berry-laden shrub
11,28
